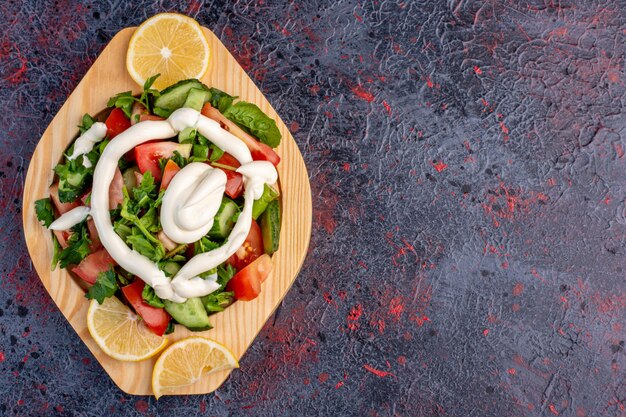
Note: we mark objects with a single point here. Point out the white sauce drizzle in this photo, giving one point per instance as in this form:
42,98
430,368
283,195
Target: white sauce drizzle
191,204
70,219
85,143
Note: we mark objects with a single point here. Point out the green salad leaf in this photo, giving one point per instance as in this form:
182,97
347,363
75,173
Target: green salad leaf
221,100
44,211
150,297
123,101
78,246
87,122
105,286
252,119
74,178
216,302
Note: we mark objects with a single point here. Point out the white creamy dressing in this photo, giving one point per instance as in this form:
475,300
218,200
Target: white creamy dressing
70,219
85,143
189,204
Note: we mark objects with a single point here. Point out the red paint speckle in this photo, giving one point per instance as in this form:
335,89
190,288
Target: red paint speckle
511,371
1,356
439,166
20,402
363,94
518,289
387,107
477,70
141,406
378,372
402,360
429,82
353,317
486,332
346,167
323,377
553,409
339,384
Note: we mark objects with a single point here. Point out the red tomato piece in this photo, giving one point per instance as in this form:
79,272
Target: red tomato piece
152,117
116,195
246,284
94,264
117,122
171,169
228,160
251,249
259,150
234,183
155,318
62,236
148,155
61,207
93,236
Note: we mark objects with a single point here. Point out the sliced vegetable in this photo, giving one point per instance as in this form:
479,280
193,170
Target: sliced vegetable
74,178
259,151
218,301
155,318
270,227
93,265
259,206
224,219
148,155
246,284
116,196
171,169
228,160
196,98
252,119
190,314
234,183
117,122
251,249
174,96
62,207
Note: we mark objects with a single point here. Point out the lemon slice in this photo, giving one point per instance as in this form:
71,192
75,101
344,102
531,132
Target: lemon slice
170,44
188,360
120,333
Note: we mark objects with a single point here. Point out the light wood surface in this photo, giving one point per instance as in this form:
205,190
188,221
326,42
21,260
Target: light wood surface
239,324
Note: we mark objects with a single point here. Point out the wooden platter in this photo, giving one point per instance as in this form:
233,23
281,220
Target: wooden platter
238,325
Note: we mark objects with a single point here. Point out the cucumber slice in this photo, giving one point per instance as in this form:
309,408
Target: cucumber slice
174,96
270,227
196,98
223,222
130,179
190,314
171,268
259,206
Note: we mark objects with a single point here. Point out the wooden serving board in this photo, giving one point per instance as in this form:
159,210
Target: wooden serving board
238,325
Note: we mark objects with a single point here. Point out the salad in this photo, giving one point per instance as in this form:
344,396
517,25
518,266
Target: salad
168,200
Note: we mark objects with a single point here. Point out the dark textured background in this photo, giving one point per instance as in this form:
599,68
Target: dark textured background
468,175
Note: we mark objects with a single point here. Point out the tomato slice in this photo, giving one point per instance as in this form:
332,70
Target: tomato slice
93,236
155,318
148,155
61,207
228,160
171,169
117,122
259,150
116,195
234,183
251,249
62,236
246,284
93,264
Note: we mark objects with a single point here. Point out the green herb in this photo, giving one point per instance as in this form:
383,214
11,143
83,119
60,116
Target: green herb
216,302
78,246
123,101
216,153
254,121
180,160
45,211
170,327
187,135
145,246
204,245
105,286
220,100
224,274
87,122
126,99
56,251
150,297
74,178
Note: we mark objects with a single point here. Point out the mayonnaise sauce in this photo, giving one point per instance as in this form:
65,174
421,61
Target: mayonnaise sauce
189,204
70,219
85,143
